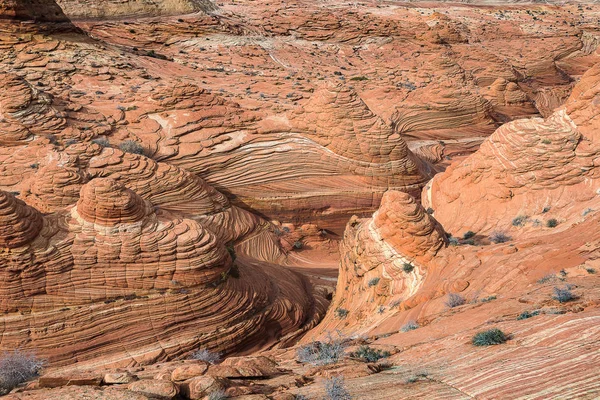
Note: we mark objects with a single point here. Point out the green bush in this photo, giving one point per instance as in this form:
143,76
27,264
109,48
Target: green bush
369,354
528,314
489,337
341,313
408,267
131,146
563,295
468,235
552,223
373,282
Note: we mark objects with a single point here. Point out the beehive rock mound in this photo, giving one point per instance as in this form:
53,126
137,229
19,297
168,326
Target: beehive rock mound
535,169
25,111
20,223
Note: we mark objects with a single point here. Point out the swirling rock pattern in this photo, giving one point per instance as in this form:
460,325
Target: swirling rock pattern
95,266
25,111
20,223
532,168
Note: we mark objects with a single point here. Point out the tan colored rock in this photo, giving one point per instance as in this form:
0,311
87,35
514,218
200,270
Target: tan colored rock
70,379
200,386
189,371
113,378
157,389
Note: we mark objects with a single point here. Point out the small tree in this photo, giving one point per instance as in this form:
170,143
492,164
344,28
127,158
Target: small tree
335,389
17,367
499,237
206,355
131,146
455,300
409,326
326,352
101,141
369,354
563,295
489,337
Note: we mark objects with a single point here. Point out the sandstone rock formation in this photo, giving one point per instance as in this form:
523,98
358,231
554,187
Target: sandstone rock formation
85,9
173,182
114,254
39,10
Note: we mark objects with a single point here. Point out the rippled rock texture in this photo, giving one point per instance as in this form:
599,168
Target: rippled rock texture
163,180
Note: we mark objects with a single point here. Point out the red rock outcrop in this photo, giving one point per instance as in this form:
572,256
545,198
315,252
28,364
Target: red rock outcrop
531,169
113,254
25,111
108,9
20,223
39,10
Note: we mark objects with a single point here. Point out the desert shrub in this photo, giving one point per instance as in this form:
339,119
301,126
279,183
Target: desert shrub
409,326
488,299
489,337
455,300
234,271
408,267
52,139
298,244
590,270
206,355
528,314
552,223
101,141
341,313
326,352
218,395
131,146
300,397
453,241
359,78
17,367
547,278
369,354
70,142
563,295
520,220
468,235
545,141
231,251
499,237
335,389
373,282
586,212
545,210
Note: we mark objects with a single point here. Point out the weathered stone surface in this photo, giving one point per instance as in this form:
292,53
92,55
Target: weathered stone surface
112,378
70,379
157,389
189,371
200,386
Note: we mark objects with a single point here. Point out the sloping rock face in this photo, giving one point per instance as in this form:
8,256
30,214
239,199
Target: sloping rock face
530,170
528,189
86,9
95,266
39,10
25,111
